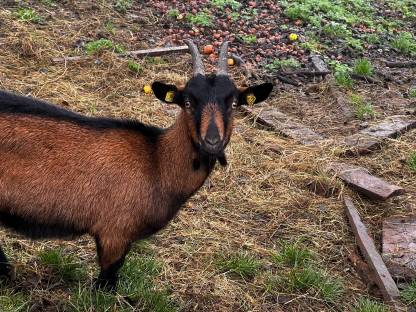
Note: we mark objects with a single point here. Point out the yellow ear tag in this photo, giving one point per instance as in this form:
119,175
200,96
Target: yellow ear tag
169,96
251,99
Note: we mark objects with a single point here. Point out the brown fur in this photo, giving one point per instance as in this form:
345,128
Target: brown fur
108,183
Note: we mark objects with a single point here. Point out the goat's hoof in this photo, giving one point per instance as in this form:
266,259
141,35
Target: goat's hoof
104,285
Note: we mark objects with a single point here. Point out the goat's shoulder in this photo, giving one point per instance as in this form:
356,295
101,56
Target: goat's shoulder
14,104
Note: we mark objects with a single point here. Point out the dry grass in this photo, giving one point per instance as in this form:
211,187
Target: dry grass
257,202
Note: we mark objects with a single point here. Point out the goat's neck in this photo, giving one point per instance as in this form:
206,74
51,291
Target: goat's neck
178,155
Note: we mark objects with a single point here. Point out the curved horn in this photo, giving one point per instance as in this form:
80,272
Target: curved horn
196,58
222,59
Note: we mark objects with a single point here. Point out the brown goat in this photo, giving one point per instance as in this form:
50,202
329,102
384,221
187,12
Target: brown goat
63,174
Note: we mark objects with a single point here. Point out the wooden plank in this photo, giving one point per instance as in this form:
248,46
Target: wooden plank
391,127
363,182
138,53
279,122
371,138
399,246
381,275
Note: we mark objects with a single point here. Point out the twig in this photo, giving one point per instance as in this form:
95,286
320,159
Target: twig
400,64
139,53
287,80
365,78
307,73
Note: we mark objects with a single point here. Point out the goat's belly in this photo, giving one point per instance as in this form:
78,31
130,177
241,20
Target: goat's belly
36,229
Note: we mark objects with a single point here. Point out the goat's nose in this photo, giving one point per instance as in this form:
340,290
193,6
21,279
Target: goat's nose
212,140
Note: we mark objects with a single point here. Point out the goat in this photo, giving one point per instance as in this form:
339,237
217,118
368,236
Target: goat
63,174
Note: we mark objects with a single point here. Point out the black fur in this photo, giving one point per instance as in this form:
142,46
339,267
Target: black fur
36,230
15,104
5,267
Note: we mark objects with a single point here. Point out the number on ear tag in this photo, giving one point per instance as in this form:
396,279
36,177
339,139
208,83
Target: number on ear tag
251,99
169,96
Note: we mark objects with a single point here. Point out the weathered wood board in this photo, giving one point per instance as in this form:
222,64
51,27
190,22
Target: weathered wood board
381,275
279,122
363,182
372,137
399,245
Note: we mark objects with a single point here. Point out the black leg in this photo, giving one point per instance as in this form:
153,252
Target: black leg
110,260
5,267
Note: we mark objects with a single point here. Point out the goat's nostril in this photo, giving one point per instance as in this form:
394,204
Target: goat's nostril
212,140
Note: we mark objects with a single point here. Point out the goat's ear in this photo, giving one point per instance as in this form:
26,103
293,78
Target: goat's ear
255,94
167,93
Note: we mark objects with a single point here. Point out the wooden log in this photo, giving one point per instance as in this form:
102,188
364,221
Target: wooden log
363,182
381,275
139,53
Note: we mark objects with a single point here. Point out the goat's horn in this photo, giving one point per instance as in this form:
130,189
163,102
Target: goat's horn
196,58
222,60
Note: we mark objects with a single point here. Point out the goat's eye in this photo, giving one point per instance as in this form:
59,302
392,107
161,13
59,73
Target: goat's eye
188,104
234,105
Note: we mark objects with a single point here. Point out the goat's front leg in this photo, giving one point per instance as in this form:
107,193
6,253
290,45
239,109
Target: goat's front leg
5,267
111,256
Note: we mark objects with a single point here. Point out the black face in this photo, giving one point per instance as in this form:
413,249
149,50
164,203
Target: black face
209,102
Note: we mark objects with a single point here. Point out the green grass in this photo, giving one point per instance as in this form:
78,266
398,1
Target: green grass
137,283
342,74
134,67
110,28
368,305
309,279
249,39
336,30
122,6
11,301
233,4
409,293
412,92
65,266
98,46
405,43
241,264
200,19
363,67
173,13
290,63
362,109
293,255
412,165
27,15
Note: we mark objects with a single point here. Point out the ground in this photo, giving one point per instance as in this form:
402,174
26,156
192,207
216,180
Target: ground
256,237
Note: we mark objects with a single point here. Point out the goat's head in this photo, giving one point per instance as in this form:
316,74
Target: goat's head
209,101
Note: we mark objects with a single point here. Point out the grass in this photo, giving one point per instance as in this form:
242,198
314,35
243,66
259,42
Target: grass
362,109
342,74
233,4
412,92
11,301
368,305
27,15
290,63
173,13
363,67
249,39
241,264
409,293
412,163
98,46
65,266
293,255
200,19
302,274
134,67
122,6
110,28
405,43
